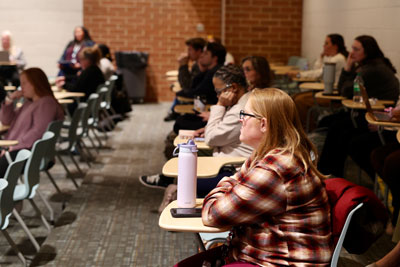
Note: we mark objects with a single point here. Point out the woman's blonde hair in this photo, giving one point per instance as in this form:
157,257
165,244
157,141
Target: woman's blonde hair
91,53
284,129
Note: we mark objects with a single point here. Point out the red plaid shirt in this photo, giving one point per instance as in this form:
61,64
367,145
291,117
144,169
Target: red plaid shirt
280,214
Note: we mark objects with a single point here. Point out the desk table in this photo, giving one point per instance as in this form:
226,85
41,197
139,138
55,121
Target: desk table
187,109
200,144
349,103
329,97
381,125
207,167
64,94
171,73
194,225
10,88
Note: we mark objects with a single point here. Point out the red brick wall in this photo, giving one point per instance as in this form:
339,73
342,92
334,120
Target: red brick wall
264,27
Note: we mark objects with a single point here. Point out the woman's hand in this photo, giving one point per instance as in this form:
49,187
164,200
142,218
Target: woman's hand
394,112
350,62
205,115
15,95
60,81
199,132
77,65
227,99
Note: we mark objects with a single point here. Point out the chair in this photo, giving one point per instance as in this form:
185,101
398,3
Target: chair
355,231
84,125
31,178
71,140
6,198
49,158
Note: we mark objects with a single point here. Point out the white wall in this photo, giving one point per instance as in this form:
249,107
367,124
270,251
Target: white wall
42,28
350,18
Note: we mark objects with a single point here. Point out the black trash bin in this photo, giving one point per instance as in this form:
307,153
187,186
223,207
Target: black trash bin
132,65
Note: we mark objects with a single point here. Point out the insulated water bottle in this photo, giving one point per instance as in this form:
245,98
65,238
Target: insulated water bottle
187,174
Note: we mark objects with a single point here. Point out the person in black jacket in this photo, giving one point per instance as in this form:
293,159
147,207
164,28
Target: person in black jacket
90,77
378,75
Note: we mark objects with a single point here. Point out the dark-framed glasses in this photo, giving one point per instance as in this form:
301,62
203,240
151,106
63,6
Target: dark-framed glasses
243,114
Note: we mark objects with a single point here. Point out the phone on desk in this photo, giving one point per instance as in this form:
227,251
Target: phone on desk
185,212
200,139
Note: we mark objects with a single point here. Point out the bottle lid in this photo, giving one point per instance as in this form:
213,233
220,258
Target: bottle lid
190,145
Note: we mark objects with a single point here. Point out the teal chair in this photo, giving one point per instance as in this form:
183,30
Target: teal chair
31,178
68,143
7,187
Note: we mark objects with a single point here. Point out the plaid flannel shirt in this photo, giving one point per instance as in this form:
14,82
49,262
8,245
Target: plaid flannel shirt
279,212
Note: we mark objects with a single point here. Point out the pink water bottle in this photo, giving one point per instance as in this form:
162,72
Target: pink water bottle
187,174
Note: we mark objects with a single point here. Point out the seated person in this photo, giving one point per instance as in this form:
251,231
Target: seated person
257,71
29,122
106,65
229,59
380,82
334,51
90,77
69,63
16,56
195,48
223,127
212,59
276,204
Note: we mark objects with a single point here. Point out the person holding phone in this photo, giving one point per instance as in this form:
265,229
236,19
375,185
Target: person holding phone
276,203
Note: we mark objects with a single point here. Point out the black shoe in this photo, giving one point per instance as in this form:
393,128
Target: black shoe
155,181
171,116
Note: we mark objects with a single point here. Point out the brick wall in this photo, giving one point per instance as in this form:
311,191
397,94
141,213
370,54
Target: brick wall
265,27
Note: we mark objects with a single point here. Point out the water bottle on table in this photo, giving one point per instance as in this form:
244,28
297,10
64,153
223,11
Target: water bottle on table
187,174
356,88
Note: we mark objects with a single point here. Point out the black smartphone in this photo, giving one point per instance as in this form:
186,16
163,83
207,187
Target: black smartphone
185,212
196,111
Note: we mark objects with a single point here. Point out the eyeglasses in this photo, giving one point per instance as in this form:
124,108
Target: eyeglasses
219,91
243,114
247,69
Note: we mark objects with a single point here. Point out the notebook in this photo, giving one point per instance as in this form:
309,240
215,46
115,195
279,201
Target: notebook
378,115
4,56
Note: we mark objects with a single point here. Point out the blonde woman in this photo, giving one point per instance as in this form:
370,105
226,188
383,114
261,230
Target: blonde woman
276,204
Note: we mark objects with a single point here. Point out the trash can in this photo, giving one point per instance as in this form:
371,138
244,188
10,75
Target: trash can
132,66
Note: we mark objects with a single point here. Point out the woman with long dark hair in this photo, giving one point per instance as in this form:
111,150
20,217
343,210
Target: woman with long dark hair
334,51
257,72
30,121
69,62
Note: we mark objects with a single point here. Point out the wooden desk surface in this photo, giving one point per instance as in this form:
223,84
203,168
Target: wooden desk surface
171,73
312,86
283,68
357,105
65,101
330,97
10,88
60,95
4,128
195,225
8,143
185,99
303,80
371,120
207,167
172,78
200,144
187,109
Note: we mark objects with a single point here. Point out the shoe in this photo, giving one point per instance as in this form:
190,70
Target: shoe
155,181
171,116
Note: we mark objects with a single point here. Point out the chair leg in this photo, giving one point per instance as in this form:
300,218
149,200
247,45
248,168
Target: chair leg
97,138
39,213
53,181
64,165
93,144
81,146
48,206
14,247
26,230
76,163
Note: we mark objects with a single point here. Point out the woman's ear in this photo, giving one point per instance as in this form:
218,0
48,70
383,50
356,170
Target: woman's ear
263,125
235,88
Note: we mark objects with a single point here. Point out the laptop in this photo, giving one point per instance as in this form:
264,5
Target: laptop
377,115
4,56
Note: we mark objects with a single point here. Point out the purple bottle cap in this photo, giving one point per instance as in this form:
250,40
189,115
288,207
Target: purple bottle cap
191,145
